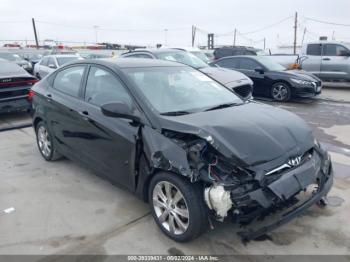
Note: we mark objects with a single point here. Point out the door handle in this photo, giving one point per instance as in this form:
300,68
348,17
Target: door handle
49,97
85,115
326,59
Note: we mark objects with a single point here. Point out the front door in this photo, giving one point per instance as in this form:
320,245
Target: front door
334,63
109,143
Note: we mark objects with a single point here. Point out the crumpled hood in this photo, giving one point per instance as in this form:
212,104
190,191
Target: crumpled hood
300,74
251,134
227,77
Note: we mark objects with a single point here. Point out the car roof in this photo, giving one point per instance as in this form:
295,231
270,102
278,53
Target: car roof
58,56
239,56
156,50
131,62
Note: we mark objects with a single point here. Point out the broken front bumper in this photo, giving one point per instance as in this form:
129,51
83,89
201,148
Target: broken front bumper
317,170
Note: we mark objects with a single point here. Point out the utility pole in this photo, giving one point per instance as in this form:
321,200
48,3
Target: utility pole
264,43
333,35
96,32
193,34
295,32
234,37
35,34
210,41
166,36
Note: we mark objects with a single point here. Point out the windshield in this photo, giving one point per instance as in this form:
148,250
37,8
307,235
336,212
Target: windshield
10,57
174,89
260,52
201,56
66,59
270,64
182,57
35,56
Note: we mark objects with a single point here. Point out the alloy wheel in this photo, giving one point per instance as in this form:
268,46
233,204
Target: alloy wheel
170,207
280,92
44,141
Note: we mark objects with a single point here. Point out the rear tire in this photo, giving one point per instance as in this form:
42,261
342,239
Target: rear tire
177,207
281,92
45,143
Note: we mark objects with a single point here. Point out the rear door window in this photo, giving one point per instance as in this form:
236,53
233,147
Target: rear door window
313,49
248,64
68,81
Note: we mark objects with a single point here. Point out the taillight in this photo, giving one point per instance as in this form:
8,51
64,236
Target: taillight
17,83
31,94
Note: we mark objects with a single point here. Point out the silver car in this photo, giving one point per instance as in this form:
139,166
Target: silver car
50,63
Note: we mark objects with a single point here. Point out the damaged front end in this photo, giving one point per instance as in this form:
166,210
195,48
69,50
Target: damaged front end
244,193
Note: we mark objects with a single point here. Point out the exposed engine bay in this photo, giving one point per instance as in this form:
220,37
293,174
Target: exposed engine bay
246,194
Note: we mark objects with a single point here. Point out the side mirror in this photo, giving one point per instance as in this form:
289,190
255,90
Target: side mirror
52,66
119,110
259,70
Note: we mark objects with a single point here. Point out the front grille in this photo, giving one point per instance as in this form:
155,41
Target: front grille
244,90
279,172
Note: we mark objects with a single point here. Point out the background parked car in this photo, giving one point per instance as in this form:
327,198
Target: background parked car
15,84
237,81
195,51
96,56
272,79
15,58
31,57
236,50
50,63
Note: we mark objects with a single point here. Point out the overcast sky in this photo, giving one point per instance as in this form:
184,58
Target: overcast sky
145,21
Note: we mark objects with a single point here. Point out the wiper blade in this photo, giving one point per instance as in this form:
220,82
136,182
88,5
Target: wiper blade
175,113
221,106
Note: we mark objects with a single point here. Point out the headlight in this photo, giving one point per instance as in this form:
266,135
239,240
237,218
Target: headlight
301,82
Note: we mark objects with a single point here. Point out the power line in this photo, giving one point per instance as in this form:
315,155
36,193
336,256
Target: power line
268,26
260,29
325,22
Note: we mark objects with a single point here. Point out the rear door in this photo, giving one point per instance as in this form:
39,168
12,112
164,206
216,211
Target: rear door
108,143
313,59
335,65
64,107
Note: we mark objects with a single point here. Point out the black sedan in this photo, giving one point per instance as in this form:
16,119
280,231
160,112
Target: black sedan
181,141
15,85
271,79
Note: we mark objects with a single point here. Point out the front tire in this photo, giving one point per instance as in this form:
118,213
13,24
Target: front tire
45,143
281,92
177,207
